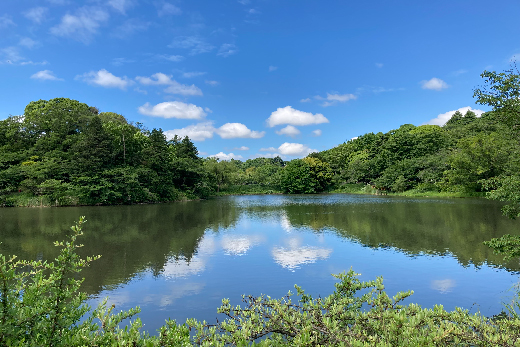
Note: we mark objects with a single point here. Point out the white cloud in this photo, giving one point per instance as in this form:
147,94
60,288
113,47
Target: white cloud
459,72
171,58
295,149
196,44
226,50
237,130
168,9
193,74
36,14
272,68
45,75
196,132
226,156
266,155
174,87
316,132
269,149
104,78
333,99
121,61
178,88
27,42
6,21
121,5
173,109
305,100
241,148
293,258
289,131
81,26
288,115
244,2
441,119
435,84
212,83
379,65
129,27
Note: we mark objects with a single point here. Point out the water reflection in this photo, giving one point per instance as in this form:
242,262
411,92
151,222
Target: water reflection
238,245
294,258
203,251
443,285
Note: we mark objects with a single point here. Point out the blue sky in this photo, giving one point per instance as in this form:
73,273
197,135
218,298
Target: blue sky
252,78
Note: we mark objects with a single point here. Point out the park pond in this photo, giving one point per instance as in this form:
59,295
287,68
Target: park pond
178,260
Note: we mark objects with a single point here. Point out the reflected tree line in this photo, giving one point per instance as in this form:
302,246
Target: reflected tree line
134,239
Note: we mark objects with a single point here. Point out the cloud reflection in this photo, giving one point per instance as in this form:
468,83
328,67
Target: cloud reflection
443,285
182,268
294,257
239,245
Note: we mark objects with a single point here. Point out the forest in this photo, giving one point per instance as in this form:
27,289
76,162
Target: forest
63,152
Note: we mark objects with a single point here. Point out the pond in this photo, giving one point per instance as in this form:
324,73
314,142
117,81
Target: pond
179,260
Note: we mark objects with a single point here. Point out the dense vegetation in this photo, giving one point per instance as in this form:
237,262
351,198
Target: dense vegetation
63,152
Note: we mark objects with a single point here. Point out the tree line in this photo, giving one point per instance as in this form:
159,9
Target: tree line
64,152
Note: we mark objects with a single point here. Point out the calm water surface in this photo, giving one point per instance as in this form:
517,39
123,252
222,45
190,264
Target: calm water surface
179,260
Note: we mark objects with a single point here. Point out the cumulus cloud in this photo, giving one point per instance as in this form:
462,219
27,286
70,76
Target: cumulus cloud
237,130
104,78
272,68
289,131
305,100
441,119
434,84
226,50
167,9
295,149
212,83
45,75
121,5
195,44
332,99
316,132
241,148
288,115
196,132
173,109
226,157
36,14
174,87
294,258
82,26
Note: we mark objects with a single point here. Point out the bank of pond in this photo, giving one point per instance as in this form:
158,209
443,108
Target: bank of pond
179,260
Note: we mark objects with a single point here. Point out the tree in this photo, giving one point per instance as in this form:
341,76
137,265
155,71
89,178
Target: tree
502,92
